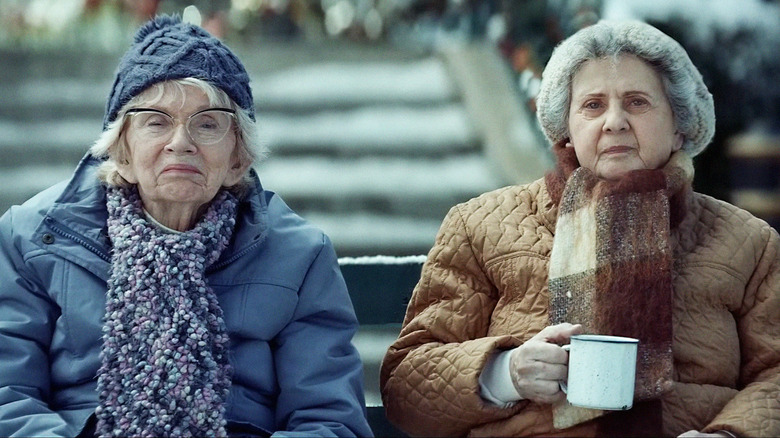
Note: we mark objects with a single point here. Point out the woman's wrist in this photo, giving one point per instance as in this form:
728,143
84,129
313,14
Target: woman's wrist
495,381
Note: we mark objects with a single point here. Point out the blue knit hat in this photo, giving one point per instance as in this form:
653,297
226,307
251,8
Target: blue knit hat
165,48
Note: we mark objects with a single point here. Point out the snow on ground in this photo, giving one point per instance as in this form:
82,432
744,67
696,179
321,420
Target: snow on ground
373,233
369,177
396,129
42,136
344,83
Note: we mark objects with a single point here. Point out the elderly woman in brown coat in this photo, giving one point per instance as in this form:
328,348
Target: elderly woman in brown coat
613,241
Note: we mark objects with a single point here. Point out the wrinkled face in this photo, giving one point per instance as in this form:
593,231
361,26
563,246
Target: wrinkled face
620,118
174,168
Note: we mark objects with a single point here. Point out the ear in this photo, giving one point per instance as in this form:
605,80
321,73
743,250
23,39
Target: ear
125,170
122,159
235,173
679,138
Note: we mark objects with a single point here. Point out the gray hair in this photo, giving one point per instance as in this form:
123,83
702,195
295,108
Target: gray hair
691,102
112,144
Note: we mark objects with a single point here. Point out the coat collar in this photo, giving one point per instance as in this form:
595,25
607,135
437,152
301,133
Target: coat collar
78,217
679,200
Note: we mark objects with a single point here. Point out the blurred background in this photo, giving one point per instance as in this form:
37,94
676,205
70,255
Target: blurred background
382,114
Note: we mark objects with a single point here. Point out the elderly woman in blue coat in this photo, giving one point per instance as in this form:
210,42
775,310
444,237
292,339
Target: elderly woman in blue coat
161,291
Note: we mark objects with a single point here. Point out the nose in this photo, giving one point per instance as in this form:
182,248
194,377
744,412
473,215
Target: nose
180,141
615,120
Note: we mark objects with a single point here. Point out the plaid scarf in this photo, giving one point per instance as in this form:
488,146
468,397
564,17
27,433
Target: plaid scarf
165,369
611,263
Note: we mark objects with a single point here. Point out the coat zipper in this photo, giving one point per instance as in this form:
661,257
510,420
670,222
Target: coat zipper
54,227
74,237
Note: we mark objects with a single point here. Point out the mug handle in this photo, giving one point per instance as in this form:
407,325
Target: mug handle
564,386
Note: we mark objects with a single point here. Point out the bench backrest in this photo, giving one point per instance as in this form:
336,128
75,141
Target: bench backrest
380,288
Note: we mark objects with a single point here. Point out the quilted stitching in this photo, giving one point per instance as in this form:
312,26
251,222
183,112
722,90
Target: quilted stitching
484,288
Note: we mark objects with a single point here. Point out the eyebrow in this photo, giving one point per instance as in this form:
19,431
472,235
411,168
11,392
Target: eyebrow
636,92
624,94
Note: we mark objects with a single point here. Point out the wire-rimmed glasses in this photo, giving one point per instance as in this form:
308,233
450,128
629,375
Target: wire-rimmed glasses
204,127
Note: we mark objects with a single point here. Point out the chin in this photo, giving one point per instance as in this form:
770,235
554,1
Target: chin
613,174
613,171
186,194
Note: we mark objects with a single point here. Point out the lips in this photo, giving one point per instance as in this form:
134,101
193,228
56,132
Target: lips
183,168
617,149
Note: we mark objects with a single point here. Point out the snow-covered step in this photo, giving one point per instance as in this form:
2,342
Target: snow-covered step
56,142
349,84
384,130
372,343
55,97
17,184
395,179
359,232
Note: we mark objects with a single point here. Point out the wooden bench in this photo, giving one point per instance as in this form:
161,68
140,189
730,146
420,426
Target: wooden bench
380,288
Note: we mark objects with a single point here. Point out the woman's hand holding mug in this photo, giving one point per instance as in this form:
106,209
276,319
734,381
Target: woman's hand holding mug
540,363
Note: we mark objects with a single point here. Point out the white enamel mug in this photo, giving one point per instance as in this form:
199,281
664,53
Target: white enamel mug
602,372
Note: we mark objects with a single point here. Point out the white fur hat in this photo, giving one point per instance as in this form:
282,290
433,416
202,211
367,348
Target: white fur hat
691,102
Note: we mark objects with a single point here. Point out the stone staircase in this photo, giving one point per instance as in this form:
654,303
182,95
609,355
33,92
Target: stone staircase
372,144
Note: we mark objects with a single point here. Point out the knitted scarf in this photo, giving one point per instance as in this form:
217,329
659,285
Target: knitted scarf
165,368
611,263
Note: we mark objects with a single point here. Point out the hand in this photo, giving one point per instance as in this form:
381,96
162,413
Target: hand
539,364
697,434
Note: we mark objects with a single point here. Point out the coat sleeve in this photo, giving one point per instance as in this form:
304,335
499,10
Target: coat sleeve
319,370
755,410
27,317
430,375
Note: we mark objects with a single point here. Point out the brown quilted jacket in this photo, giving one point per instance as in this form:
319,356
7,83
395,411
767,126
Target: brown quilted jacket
484,288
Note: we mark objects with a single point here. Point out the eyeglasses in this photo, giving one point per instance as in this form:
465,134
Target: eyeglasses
205,127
